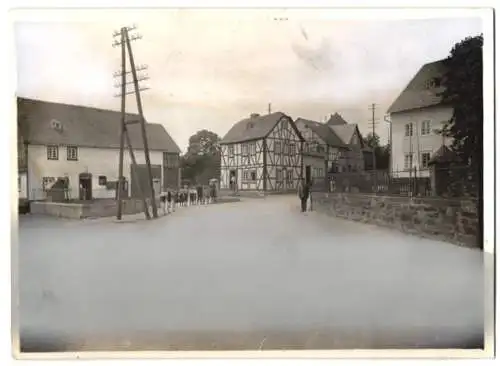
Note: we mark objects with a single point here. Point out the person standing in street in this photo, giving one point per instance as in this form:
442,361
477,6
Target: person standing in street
303,191
169,201
163,201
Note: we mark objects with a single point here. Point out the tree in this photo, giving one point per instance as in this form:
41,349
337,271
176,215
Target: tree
382,153
202,159
463,90
372,141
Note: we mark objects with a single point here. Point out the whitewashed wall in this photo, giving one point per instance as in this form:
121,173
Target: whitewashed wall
92,160
417,143
22,185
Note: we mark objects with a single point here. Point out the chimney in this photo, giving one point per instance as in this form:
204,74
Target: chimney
254,115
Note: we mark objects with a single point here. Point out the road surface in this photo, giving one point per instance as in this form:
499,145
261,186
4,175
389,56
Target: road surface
256,274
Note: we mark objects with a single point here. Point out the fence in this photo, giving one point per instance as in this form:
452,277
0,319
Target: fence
453,181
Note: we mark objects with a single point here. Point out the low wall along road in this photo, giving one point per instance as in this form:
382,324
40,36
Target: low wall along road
452,220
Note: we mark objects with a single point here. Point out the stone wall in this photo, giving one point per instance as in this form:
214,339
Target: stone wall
97,208
57,209
452,220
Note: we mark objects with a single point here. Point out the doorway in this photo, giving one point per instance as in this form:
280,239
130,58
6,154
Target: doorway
232,180
85,184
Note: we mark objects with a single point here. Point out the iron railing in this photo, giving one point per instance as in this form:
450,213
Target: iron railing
452,181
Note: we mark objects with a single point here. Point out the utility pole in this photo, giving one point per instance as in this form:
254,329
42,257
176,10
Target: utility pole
388,120
372,107
124,135
269,108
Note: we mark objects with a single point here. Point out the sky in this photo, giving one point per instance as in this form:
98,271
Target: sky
209,69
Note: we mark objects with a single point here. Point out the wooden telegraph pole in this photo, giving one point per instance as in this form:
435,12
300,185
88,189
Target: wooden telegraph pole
124,42
374,160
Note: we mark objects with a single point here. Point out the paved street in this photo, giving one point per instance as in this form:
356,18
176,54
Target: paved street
247,275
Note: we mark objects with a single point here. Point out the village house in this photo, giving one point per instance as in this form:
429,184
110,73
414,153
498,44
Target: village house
417,115
357,153
73,151
262,153
323,150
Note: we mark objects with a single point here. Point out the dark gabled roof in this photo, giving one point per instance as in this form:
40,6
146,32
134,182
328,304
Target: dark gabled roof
417,94
443,155
84,126
335,120
324,132
255,128
345,132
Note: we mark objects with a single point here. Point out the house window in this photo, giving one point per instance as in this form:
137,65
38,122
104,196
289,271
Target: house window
425,128
425,158
408,161
286,147
244,149
289,176
52,152
71,153
102,180
279,175
409,129
277,147
170,160
293,150
253,175
230,150
245,175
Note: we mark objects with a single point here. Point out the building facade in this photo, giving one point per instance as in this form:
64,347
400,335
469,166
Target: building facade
417,116
355,157
323,150
72,152
262,153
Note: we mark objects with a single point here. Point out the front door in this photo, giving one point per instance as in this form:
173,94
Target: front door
85,184
232,180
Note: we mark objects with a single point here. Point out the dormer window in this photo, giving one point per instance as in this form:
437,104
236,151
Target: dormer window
433,83
56,125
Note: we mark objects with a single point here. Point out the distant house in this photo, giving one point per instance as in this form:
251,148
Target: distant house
75,149
349,134
323,150
416,114
262,153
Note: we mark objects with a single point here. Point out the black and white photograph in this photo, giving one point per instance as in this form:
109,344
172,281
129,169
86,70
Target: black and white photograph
252,180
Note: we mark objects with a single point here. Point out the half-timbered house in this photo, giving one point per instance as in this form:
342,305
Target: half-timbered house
262,153
323,151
